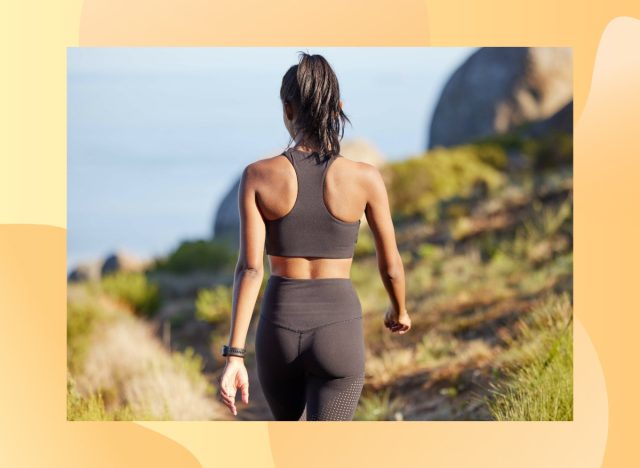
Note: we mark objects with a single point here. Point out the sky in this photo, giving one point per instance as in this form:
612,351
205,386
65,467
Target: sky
157,136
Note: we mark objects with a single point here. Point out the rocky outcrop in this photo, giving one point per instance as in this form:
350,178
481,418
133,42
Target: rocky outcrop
560,121
121,261
226,223
112,263
85,271
500,88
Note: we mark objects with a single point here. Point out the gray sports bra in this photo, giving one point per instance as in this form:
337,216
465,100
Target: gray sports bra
309,230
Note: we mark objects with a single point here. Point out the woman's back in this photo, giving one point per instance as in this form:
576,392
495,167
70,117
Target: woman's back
312,211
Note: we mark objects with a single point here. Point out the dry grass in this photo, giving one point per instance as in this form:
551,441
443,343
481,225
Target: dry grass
126,366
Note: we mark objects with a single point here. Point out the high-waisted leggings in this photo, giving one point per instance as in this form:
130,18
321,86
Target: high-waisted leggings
310,348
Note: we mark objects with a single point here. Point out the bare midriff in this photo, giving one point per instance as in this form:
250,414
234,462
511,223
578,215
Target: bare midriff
309,268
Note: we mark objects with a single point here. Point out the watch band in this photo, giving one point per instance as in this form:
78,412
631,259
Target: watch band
233,351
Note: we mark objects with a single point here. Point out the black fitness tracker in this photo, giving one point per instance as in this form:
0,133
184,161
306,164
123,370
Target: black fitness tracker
231,351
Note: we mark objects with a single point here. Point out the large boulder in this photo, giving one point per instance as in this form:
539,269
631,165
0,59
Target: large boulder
499,88
226,223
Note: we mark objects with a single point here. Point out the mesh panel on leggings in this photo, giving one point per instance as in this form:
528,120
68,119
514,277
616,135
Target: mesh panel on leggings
337,404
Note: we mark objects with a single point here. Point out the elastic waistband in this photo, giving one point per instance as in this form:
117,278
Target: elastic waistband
294,292
307,303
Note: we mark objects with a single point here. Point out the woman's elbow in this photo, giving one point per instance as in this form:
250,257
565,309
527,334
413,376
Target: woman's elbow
393,269
250,271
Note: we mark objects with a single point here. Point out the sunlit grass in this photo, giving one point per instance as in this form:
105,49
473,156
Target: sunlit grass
540,388
118,368
378,406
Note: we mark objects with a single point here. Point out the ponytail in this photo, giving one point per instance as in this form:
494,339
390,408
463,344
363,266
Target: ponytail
311,87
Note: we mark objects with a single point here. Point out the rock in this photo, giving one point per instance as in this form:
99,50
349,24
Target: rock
114,262
226,224
85,271
561,121
499,88
121,261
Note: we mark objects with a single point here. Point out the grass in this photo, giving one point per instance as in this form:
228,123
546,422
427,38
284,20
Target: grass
435,348
81,321
378,406
192,365
488,262
471,296
92,408
540,389
119,370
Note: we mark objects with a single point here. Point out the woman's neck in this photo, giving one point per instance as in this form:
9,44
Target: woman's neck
300,141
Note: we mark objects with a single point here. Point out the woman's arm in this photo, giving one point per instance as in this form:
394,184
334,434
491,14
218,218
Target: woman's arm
246,286
389,261
249,268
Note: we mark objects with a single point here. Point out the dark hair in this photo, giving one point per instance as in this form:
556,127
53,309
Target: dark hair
312,89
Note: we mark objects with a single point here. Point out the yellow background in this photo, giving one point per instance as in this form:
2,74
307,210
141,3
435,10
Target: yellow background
605,37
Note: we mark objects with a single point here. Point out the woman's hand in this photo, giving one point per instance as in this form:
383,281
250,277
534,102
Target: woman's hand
234,377
397,322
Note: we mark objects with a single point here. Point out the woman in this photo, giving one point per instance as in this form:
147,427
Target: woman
305,206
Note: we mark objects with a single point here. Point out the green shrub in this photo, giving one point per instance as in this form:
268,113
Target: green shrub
133,289
207,255
81,320
192,364
509,140
419,184
552,150
92,408
490,153
214,304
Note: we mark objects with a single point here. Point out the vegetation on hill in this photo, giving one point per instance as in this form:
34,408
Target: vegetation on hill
117,369
486,234
489,285
194,255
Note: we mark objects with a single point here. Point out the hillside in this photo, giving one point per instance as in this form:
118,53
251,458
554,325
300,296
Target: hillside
486,232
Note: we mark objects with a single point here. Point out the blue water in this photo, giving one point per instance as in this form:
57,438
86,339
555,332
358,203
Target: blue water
156,136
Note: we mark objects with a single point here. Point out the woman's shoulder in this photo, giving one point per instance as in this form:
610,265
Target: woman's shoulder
364,170
266,166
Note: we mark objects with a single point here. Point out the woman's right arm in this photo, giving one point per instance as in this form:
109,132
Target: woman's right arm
246,286
389,261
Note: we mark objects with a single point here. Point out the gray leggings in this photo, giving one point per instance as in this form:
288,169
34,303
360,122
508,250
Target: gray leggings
310,348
